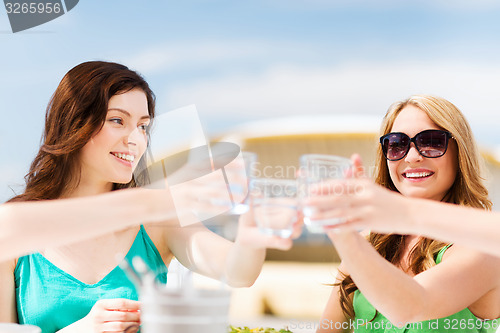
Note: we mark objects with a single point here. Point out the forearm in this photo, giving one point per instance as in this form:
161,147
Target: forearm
243,265
246,255
470,227
204,252
30,226
333,319
389,289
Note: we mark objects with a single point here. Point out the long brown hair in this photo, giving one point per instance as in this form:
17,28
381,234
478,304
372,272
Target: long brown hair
76,112
468,188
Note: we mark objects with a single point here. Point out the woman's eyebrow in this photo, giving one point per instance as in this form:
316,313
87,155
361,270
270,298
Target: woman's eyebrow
128,113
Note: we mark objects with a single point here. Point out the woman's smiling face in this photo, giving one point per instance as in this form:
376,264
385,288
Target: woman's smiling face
113,153
418,176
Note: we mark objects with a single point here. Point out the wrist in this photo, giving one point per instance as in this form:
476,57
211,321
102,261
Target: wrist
339,236
156,204
244,243
347,244
416,211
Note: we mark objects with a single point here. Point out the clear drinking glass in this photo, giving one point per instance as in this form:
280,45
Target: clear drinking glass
274,203
315,169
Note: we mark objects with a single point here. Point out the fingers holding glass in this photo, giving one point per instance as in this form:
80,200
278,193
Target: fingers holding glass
315,173
238,175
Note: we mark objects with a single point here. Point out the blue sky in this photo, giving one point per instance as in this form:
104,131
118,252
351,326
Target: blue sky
240,61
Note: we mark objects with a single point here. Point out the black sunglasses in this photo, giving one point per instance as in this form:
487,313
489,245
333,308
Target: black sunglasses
429,143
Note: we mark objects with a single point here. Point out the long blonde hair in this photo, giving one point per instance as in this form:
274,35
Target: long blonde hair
468,188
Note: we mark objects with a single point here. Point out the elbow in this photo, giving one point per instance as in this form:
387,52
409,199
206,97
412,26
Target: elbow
240,283
411,313
401,320
241,279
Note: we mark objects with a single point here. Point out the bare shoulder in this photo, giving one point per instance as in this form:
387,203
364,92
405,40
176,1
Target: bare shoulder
155,232
7,291
342,272
8,266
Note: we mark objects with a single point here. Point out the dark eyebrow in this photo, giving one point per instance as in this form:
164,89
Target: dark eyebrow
128,113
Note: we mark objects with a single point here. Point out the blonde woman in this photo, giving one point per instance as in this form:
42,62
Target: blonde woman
414,283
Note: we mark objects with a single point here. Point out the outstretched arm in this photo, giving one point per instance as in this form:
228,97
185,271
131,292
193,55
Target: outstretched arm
475,228
370,206
31,226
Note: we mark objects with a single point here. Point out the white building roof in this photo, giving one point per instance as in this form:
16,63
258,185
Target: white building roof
297,125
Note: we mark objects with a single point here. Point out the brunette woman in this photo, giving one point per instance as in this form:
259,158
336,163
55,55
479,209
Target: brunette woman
96,132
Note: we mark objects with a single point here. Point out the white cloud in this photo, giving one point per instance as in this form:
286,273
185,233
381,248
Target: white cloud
170,56
205,54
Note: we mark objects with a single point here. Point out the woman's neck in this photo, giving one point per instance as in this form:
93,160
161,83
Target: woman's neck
85,189
410,241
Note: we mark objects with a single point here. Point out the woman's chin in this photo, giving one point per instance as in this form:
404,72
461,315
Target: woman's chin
122,180
417,193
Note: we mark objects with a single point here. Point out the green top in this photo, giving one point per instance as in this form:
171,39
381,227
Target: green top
52,299
462,321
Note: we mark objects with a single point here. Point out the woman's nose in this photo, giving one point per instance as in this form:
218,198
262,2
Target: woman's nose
134,137
413,154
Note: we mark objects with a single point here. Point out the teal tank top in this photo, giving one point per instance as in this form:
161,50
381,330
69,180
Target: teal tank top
462,321
52,299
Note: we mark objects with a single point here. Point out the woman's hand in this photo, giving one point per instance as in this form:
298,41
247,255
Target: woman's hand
361,203
109,315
